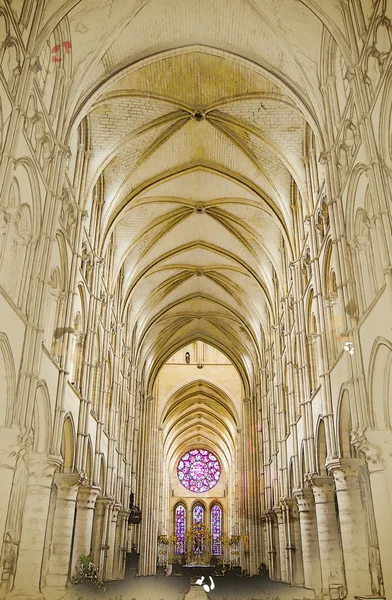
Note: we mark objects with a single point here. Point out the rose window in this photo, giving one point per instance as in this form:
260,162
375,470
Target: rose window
199,470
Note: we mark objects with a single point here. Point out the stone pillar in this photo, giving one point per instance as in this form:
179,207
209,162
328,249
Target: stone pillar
293,543
282,544
112,528
111,539
309,539
67,489
28,571
330,549
352,519
376,446
274,552
87,496
98,543
8,458
119,546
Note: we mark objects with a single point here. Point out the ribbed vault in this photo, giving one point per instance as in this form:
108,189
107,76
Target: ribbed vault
195,251
199,413
196,119
195,153
196,130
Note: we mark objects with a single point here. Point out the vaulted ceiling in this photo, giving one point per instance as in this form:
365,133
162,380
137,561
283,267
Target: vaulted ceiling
196,115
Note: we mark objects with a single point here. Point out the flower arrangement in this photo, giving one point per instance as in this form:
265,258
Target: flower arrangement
87,574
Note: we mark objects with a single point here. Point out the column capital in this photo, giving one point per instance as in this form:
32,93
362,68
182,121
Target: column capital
323,489
124,514
305,500
346,472
10,446
87,496
371,451
290,505
115,511
268,514
279,514
68,485
42,468
102,503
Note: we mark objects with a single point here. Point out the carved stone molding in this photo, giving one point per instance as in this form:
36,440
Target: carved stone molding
42,468
124,514
346,473
116,512
12,443
305,500
87,496
279,514
68,485
323,489
371,452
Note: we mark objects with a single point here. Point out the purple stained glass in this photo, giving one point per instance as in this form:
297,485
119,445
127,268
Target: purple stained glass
216,530
199,470
180,529
198,519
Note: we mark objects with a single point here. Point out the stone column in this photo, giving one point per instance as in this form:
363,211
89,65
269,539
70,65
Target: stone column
274,552
293,543
282,544
31,548
352,519
87,496
98,543
119,546
112,528
9,447
110,569
376,446
67,489
330,549
309,539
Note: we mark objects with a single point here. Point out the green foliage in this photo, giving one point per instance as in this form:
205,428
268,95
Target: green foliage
87,574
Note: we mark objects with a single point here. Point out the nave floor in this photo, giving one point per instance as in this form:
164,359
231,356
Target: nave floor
178,588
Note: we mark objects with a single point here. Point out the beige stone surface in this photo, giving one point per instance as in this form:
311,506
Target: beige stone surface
211,178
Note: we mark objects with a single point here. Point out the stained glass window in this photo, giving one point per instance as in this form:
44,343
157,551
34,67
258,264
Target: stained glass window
180,529
216,530
198,521
199,470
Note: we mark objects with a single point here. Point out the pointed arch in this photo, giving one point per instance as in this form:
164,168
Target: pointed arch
321,447
380,384
89,461
180,523
216,519
198,519
7,381
68,444
42,419
344,426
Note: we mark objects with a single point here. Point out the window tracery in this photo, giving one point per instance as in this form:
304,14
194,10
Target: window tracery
198,523
180,528
216,530
199,470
